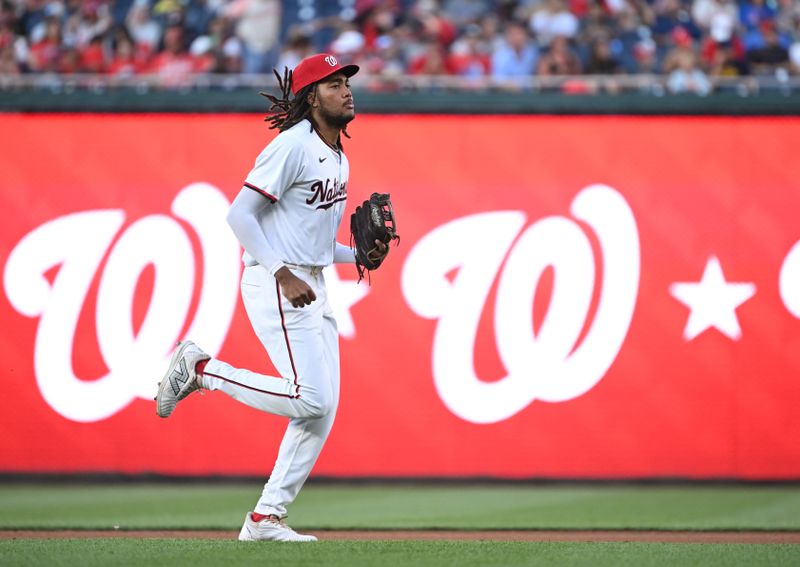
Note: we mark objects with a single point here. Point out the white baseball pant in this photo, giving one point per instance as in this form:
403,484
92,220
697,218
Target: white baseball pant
303,344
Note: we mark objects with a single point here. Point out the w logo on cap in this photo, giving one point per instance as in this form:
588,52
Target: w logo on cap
316,67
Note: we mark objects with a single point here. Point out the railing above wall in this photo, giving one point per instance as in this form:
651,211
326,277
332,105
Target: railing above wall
583,94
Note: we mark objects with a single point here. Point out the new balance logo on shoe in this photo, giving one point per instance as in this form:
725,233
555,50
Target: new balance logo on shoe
179,376
180,380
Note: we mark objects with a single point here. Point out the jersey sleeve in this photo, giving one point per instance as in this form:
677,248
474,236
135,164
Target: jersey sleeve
243,220
276,169
343,254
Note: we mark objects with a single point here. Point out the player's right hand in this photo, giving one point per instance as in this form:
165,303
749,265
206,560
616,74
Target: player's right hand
298,292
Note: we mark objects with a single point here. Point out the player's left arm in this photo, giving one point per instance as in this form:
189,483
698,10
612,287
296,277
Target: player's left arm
344,254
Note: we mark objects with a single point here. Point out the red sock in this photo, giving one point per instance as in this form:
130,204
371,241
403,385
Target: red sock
200,367
258,517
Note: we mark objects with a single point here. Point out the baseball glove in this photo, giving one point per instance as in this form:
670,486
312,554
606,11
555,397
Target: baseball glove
373,220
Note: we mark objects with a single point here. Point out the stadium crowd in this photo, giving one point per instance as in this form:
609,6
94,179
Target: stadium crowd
688,40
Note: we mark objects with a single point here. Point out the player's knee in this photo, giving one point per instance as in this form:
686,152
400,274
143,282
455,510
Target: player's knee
322,408
317,406
313,411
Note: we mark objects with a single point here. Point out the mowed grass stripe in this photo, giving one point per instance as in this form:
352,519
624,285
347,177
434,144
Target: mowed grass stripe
201,553
166,506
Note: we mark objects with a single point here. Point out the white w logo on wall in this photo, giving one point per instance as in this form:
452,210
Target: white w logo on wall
78,243
549,365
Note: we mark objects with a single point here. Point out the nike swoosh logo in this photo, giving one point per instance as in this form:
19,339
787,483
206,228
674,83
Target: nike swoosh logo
322,159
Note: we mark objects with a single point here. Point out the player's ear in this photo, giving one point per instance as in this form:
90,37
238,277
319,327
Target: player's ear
311,98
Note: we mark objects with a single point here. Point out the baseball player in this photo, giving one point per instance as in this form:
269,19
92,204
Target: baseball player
286,218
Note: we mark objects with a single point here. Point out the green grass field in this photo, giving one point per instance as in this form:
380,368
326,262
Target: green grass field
493,507
165,552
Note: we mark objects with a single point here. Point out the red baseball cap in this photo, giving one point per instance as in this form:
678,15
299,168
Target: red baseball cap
317,67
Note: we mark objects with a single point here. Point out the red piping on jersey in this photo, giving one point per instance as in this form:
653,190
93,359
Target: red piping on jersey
260,190
286,336
250,387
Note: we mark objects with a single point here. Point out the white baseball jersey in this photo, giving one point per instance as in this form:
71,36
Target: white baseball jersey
306,180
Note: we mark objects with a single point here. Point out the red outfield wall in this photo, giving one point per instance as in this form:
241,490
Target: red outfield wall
573,296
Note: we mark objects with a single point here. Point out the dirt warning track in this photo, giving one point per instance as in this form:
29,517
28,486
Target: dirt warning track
441,535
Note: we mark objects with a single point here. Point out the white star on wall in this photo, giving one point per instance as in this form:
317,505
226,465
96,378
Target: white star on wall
712,302
343,294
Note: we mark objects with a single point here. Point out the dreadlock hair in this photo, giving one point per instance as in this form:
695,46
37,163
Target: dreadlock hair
284,113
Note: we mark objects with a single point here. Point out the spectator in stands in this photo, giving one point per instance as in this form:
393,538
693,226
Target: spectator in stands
259,30
298,47
146,32
491,36
45,54
683,49
709,48
552,19
602,61
726,63
687,77
515,60
227,47
50,11
384,61
559,59
645,57
221,31
8,61
125,61
197,19
232,56
770,57
91,22
431,24
173,64
69,61
753,13
718,17
597,24
33,14
469,56
628,33
376,21
92,58
432,61
348,43
669,15
217,50
787,19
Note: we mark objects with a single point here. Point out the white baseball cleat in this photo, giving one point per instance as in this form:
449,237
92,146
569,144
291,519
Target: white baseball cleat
180,379
270,529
